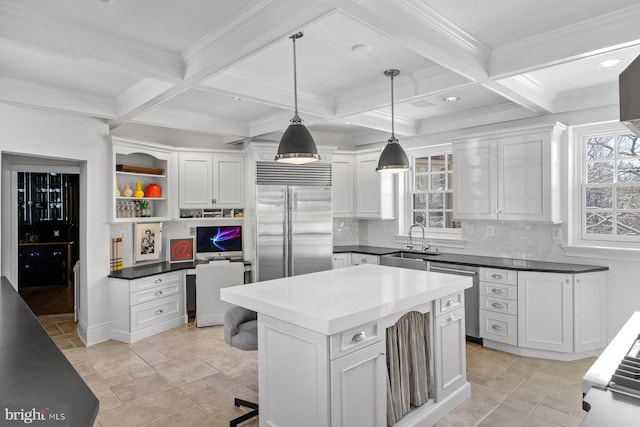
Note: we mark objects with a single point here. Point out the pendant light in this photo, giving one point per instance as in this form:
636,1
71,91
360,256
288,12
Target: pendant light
393,158
297,145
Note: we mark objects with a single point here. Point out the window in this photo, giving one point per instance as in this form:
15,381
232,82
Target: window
431,194
610,185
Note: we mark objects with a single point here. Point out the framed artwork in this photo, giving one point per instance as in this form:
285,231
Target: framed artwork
148,241
181,249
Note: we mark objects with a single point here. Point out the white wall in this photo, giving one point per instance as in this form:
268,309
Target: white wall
83,140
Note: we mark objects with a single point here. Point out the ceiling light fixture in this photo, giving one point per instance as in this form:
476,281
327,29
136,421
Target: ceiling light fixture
393,158
451,99
609,63
297,145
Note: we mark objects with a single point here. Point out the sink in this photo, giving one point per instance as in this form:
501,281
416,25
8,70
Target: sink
412,260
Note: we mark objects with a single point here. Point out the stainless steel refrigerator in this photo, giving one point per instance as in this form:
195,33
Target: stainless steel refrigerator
293,222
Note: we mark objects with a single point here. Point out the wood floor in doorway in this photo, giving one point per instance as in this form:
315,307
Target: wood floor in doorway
47,300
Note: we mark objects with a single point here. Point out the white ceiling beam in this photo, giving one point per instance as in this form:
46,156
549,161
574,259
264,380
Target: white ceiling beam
381,121
144,91
591,37
591,97
178,119
525,91
25,32
24,93
280,122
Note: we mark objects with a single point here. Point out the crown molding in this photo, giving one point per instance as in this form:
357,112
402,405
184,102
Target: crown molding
587,98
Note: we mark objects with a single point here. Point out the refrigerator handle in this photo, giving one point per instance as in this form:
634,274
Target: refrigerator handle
289,236
286,239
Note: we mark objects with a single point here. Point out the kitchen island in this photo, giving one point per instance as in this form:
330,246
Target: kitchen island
322,343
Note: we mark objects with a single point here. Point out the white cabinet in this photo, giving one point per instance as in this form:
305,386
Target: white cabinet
545,309
375,192
509,176
342,185
131,164
211,180
499,305
562,312
358,258
341,260
358,388
450,352
146,306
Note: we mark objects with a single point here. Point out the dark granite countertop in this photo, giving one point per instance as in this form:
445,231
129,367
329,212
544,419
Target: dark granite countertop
139,271
483,261
35,374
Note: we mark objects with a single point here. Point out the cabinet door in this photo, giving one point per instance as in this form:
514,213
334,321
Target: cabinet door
590,311
450,353
341,260
195,179
524,178
342,185
228,181
375,192
475,179
358,258
545,311
358,388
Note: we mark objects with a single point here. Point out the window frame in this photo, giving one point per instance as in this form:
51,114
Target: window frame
406,217
577,237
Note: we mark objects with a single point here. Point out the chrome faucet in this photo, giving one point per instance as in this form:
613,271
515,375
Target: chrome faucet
410,244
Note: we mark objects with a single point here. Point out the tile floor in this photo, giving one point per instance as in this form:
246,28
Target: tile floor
189,376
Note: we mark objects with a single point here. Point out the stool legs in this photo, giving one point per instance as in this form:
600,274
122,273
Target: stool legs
242,418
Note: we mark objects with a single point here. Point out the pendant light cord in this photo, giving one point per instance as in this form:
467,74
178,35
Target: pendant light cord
296,118
393,134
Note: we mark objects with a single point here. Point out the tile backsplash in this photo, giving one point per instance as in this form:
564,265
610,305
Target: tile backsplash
346,231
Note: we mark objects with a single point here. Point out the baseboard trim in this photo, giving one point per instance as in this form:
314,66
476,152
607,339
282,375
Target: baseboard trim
93,335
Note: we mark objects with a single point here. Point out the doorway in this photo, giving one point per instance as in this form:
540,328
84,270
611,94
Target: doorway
47,207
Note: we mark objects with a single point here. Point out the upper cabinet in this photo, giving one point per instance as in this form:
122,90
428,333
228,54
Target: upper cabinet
139,184
375,195
509,176
209,180
342,188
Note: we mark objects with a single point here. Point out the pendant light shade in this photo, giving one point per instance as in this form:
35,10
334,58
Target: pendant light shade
297,145
393,158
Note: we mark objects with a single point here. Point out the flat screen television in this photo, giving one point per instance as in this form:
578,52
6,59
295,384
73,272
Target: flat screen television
218,241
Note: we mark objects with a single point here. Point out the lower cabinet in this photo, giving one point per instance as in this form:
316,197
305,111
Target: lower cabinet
146,306
358,258
341,260
358,388
450,353
499,305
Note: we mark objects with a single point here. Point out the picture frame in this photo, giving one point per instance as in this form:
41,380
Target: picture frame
181,249
148,241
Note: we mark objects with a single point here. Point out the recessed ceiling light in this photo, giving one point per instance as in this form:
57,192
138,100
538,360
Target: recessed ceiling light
451,99
609,63
361,48
237,98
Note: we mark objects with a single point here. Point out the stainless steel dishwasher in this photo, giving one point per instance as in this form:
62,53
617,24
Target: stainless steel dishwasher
471,296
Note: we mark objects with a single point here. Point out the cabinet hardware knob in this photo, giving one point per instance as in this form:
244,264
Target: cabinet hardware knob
496,290
497,327
450,303
497,276
159,312
359,336
566,280
214,201
158,293
451,318
157,281
497,305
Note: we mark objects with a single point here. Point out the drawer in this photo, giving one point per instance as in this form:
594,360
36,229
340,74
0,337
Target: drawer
354,339
155,312
497,275
154,281
357,259
499,305
449,303
155,293
499,327
498,290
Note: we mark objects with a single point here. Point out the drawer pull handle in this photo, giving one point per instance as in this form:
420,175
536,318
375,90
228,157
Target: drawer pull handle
451,318
359,336
497,327
496,290
158,293
159,312
497,305
157,281
450,303
497,276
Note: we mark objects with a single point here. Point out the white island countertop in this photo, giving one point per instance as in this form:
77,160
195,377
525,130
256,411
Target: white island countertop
332,301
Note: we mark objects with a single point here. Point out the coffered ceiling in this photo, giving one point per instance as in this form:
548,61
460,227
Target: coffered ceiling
203,73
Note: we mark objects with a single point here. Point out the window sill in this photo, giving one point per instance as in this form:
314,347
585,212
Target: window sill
630,254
